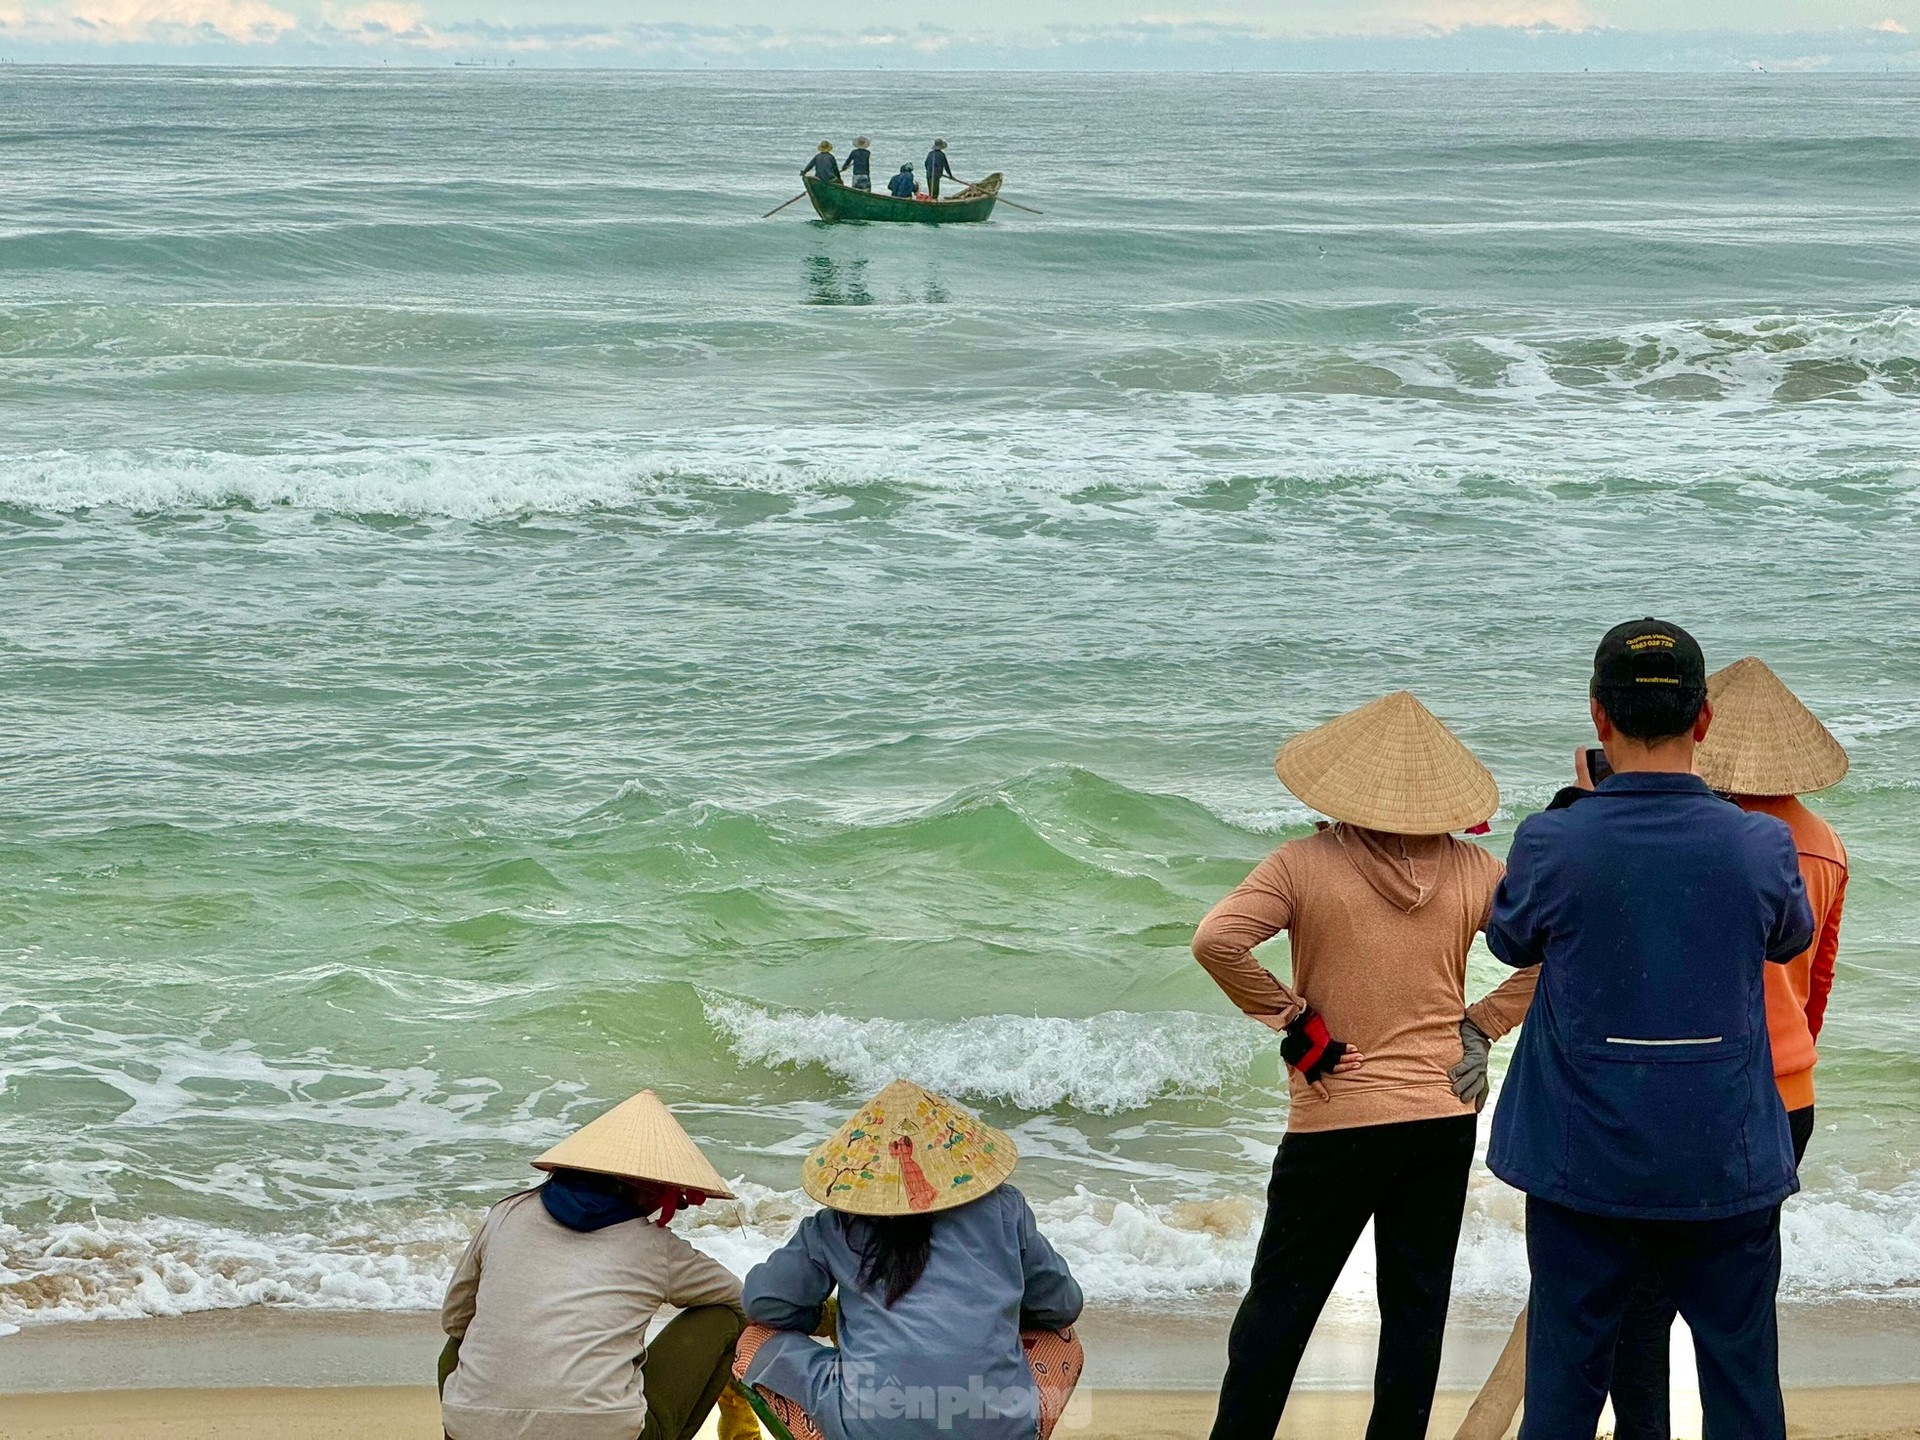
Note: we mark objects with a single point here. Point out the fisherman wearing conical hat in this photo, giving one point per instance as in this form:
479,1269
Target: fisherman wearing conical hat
939,1265
1640,1114
938,167
548,1310
860,164
1764,751
822,166
1380,908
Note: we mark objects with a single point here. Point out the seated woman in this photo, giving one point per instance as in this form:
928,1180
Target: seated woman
953,1308
548,1310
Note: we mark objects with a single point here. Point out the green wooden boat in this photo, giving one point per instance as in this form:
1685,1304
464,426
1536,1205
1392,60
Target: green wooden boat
834,202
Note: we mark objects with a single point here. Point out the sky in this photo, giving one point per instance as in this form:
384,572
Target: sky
1709,35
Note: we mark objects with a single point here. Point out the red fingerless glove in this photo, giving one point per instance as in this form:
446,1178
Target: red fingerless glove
1308,1047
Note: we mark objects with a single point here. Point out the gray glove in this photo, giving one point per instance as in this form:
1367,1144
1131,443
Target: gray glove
1469,1074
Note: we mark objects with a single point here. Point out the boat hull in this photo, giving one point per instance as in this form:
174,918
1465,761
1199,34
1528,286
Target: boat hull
835,203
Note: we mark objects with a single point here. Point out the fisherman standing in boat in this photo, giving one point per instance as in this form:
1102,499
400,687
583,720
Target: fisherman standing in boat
937,166
823,167
901,186
860,164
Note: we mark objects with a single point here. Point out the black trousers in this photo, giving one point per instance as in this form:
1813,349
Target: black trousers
1410,1179
1642,1378
1722,1274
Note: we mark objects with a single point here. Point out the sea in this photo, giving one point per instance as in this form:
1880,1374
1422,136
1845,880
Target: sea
488,622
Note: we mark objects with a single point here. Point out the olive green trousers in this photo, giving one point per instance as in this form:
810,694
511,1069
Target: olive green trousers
684,1369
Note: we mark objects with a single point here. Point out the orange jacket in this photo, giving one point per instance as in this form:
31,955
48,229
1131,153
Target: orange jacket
1797,991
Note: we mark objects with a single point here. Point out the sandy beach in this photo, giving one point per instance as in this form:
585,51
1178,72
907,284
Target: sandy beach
1873,1412
316,1376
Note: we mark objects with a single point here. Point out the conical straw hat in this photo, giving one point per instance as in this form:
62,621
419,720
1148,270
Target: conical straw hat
907,1151
638,1140
1390,765
1763,741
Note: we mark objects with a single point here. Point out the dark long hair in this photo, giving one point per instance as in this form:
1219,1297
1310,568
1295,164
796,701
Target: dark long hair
893,1252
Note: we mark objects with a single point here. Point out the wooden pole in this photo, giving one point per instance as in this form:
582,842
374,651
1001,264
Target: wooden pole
1493,1410
778,208
1018,206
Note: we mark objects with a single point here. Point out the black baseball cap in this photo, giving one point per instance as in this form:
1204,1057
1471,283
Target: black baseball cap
1649,652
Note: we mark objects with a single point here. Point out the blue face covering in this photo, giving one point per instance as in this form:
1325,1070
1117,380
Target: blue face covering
583,1201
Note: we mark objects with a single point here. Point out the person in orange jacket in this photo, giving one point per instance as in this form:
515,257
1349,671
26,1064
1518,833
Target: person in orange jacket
1765,750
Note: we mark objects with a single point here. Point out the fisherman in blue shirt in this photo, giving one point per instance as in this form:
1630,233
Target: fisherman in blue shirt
937,167
1640,1114
823,166
901,186
860,164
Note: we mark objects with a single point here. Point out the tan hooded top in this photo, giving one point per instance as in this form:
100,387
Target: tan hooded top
1380,926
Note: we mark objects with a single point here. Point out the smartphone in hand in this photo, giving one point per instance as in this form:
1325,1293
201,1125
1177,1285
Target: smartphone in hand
1597,767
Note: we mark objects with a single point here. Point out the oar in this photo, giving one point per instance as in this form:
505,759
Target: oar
778,208
970,191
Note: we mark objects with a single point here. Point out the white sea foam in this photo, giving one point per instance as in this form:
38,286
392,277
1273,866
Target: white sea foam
1125,1251
1103,1064
1696,400
115,1269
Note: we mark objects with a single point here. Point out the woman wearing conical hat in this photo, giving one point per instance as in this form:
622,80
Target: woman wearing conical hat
951,1302
1764,751
1387,1061
548,1310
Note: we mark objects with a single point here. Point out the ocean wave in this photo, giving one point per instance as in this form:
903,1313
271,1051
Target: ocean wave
1126,1252
1171,471
98,1268
1104,1064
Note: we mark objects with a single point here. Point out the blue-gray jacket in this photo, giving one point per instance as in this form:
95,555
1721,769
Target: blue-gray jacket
1642,1085
951,1343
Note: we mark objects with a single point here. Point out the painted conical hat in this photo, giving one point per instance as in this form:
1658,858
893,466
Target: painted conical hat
1763,741
907,1151
638,1140
1390,765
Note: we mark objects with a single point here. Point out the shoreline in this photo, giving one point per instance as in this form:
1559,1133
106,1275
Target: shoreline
1851,1373
1847,1346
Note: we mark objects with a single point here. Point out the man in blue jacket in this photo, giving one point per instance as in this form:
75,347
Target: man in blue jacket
1640,1114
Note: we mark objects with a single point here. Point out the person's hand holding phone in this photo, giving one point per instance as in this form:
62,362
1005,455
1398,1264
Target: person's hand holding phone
1590,766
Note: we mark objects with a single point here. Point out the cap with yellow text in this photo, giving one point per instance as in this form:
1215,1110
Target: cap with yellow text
1649,652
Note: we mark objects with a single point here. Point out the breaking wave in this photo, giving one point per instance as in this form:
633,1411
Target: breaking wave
1103,1065
1125,1251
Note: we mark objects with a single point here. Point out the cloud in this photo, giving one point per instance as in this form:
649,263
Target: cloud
1791,64
1173,34
122,22
380,23
150,22
1451,15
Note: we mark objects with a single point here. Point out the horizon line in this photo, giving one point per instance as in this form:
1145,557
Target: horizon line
479,62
